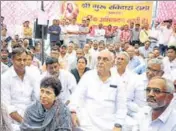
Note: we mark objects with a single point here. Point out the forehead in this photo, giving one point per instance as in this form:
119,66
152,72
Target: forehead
157,83
22,55
105,54
170,50
79,51
154,66
47,89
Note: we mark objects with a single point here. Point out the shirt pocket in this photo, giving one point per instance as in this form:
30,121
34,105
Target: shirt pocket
109,94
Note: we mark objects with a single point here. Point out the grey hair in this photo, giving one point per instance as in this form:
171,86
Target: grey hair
125,54
156,61
169,85
111,54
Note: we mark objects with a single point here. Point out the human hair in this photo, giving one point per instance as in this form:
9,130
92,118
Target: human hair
28,52
17,51
5,49
109,52
125,54
172,47
147,41
54,48
51,82
156,48
82,57
51,60
101,43
156,61
169,85
137,24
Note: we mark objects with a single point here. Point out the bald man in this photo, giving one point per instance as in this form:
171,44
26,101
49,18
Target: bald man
99,102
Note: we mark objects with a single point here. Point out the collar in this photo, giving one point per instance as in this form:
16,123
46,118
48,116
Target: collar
13,72
165,115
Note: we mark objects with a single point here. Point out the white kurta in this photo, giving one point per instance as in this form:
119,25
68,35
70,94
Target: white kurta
135,90
99,105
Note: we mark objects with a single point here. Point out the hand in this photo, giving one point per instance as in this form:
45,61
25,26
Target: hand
75,120
116,129
54,32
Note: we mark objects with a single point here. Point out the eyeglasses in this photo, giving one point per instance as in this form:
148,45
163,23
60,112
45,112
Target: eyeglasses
156,91
118,58
105,59
153,70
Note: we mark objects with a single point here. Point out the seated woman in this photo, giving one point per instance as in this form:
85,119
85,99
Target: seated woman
81,68
48,114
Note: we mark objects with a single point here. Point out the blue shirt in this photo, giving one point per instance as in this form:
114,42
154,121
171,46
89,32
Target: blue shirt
54,37
133,63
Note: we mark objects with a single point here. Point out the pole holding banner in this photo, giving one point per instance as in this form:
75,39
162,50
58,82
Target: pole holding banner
42,20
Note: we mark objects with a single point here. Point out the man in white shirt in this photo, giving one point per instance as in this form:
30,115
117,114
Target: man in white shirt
134,87
170,60
153,35
68,81
99,101
73,31
100,33
164,36
19,88
158,116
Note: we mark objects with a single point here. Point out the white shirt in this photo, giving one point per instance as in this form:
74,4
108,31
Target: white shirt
4,68
63,32
94,55
99,105
172,40
165,122
99,34
72,28
68,83
16,93
71,60
169,66
164,35
134,87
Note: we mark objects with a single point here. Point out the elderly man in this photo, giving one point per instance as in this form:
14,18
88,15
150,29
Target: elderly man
158,116
68,81
99,101
19,87
134,87
154,68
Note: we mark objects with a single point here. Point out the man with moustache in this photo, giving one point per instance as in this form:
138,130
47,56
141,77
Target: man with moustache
68,81
158,116
19,87
99,101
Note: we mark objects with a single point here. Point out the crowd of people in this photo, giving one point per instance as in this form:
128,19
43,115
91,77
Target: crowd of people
93,79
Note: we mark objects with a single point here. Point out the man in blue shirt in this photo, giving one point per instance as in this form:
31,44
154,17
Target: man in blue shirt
54,31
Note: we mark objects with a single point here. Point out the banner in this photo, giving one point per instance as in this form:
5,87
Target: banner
116,14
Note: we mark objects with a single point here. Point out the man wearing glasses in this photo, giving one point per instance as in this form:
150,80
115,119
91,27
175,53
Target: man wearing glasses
158,116
99,101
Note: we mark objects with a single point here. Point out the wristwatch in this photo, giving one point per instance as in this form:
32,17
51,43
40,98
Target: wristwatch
118,125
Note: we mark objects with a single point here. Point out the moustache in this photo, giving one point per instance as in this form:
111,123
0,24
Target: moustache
151,99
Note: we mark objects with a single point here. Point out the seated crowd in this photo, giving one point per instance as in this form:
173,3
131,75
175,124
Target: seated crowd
101,79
